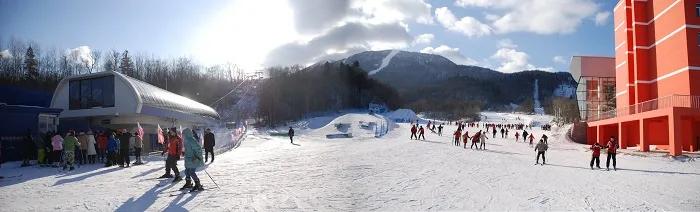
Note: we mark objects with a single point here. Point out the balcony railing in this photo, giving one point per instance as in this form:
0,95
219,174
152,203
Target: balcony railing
654,104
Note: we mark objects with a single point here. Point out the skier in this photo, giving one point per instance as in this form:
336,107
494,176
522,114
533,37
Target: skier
475,140
596,155
174,150
465,138
91,152
525,135
541,148
82,152
532,137
111,150
494,131
517,136
57,147
413,132
102,140
544,137
209,143
290,133
421,133
440,130
193,160
503,133
612,151
138,146
482,139
457,134
70,144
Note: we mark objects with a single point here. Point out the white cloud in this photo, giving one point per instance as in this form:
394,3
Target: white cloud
467,25
559,59
450,53
538,16
388,11
81,55
601,18
351,36
5,54
423,39
512,60
507,43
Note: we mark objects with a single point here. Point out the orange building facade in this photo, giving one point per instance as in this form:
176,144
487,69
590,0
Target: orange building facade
657,77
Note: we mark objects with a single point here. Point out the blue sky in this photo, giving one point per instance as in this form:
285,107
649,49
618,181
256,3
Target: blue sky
507,35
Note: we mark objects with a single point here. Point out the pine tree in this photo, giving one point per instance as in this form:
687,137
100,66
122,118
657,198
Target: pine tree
126,66
31,65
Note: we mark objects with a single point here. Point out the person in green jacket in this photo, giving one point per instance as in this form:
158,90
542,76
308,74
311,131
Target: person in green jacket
193,160
70,143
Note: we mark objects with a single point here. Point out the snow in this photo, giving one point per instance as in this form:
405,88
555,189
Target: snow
365,173
402,115
385,62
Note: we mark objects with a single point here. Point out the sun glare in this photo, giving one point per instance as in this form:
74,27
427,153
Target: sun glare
244,32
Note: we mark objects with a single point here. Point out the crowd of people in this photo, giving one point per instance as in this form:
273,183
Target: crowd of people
117,148
461,137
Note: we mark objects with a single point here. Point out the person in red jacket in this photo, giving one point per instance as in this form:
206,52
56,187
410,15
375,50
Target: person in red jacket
102,146
173,148
457,134
517,136
413,132
475,140
421,133
465,138
612,151
596,154
532,137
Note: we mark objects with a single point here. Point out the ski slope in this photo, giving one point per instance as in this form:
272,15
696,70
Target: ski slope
385,62
391,173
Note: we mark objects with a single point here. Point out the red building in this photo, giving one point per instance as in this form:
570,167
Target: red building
657,74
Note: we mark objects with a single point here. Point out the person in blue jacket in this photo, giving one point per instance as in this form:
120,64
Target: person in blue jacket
193,160
112,147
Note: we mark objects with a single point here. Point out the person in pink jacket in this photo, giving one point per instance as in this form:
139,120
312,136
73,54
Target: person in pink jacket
57,144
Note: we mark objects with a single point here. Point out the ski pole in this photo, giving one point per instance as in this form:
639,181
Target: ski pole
212,179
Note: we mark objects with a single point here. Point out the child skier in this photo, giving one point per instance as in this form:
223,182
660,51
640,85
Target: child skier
193,160
596,155
532,137
465,138
440,130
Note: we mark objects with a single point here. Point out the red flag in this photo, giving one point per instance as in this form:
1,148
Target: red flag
159,132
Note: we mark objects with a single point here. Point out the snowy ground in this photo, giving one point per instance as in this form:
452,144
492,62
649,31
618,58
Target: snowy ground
364,173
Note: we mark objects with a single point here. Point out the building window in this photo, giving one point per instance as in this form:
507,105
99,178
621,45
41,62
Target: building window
697,10
91,93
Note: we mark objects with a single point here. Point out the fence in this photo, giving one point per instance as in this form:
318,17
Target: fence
686,101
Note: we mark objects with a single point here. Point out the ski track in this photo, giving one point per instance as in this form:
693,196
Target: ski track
385,62
387,174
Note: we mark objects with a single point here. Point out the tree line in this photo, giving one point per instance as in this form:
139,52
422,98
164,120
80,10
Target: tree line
292,92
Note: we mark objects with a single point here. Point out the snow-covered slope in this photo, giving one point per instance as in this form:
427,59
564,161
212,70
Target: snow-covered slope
392,173
385,62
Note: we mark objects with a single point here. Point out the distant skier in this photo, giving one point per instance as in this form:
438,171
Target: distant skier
440,130
494,131
209,143
421,133
525,135
596,154
111,150
465,138
456,135
532,137
193,160
517,136
475,140
91,151
506,132
413,132
503,133
541,148
544,137
612,151
482,140
137,142
290,133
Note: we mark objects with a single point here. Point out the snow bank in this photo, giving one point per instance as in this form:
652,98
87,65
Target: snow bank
402,115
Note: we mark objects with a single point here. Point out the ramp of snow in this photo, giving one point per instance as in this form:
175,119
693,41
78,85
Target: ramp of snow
352,123
385,62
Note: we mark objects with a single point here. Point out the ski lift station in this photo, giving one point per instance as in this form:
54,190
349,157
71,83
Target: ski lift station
111,100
